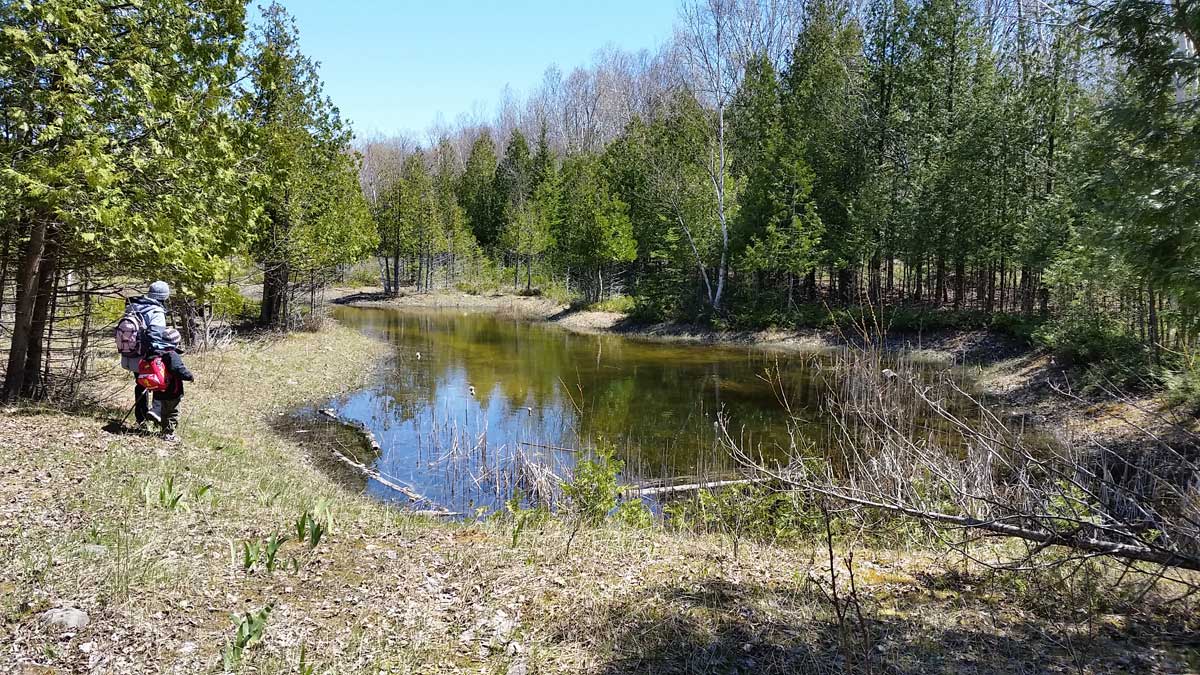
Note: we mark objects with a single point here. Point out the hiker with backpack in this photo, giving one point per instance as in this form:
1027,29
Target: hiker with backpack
145,318
163,373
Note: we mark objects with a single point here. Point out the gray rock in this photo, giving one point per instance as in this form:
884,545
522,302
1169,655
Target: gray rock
93,550
65,618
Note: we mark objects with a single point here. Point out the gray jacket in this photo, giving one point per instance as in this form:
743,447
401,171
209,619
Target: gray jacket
155,315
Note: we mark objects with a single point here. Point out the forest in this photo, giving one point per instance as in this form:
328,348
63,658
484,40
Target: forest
1030,167
973,226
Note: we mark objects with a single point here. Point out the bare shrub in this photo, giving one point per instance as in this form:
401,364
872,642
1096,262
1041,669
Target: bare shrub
930,450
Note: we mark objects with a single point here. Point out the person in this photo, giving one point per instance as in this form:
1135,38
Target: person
153,311
177,373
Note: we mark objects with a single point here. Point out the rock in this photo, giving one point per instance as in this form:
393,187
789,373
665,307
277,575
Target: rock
66,618
518,668
187,648
93,550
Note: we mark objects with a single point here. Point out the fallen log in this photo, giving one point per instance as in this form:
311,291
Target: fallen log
549,447
367,435
378,476
687,487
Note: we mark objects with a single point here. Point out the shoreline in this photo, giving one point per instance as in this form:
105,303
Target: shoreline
1018,378
973,347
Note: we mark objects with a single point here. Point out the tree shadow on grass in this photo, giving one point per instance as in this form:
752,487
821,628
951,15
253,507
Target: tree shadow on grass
719,627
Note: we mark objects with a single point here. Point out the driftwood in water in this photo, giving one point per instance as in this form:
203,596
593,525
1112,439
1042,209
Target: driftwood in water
367,435
377,475
687,487
549,447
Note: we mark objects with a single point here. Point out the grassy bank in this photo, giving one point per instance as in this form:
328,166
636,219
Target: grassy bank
149,540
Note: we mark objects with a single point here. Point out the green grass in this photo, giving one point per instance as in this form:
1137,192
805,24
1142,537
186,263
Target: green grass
621,304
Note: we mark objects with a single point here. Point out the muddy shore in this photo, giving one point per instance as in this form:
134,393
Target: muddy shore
978,347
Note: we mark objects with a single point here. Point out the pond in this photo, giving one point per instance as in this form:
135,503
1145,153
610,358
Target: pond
476,405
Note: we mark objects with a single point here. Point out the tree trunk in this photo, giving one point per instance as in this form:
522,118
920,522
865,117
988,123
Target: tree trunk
845,279
891,264
27,288
1152,324
917,275
960,282
991,289
1026,290
8,232
874,287
275,292
939,291
31,386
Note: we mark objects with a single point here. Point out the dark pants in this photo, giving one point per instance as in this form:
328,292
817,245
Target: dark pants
170,414
141,403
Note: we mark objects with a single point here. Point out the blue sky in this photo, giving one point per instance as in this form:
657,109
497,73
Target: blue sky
393,66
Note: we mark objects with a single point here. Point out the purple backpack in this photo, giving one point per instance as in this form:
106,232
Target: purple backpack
130,333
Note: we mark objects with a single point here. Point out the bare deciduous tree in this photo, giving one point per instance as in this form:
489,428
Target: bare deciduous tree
716,39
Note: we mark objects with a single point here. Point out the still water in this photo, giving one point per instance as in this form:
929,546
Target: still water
473,402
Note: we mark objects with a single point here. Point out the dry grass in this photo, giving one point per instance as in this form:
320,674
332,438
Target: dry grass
83,523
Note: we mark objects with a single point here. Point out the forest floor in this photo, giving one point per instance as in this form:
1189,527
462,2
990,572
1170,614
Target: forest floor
139,544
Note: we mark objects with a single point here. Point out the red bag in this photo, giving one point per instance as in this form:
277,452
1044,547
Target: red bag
152,374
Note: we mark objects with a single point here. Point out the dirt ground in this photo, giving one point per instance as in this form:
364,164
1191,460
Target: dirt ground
141,544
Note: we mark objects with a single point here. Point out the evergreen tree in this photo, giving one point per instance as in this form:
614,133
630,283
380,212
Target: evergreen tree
121,154
777,226
475,189
824,114
1146,151
309,209
529,226
455,234
594,230
512,187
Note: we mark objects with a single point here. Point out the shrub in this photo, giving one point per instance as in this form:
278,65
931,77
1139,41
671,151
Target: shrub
751,511
1099,346
1086,338
622,304
227,301
363,275
634,513
1183,385
593,490
469,288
